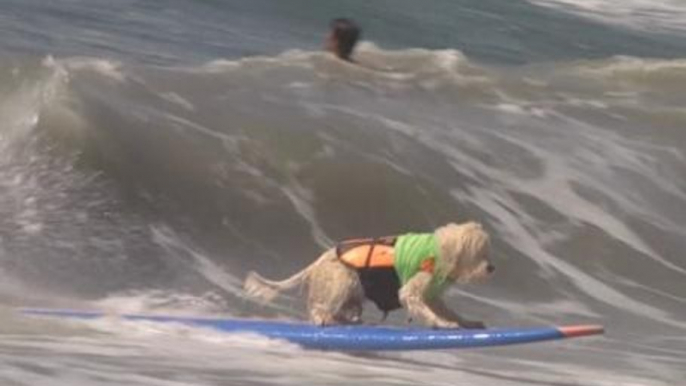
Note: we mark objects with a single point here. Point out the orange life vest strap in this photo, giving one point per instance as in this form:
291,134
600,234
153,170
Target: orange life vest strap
369,256
367,253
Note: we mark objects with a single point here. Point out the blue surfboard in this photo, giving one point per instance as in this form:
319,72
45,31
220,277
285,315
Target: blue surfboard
351,338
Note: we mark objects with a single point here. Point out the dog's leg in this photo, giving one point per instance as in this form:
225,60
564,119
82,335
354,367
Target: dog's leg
441,309
321,316
412,296
334,291
350,313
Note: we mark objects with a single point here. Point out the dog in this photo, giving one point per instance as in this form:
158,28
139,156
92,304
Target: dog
408,271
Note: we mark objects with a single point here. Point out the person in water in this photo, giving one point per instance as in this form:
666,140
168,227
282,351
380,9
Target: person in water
343,37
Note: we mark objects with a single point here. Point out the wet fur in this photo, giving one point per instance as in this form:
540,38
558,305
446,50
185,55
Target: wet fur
335,294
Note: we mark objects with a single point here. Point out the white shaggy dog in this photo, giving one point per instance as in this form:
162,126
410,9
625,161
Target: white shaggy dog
393,272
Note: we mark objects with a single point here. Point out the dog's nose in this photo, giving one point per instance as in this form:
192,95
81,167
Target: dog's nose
490,268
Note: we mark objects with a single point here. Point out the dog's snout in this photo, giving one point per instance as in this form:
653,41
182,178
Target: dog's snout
490,268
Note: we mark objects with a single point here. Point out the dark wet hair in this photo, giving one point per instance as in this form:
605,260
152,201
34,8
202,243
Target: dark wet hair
346,33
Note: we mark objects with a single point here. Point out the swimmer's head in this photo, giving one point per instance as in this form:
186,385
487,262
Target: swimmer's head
343,36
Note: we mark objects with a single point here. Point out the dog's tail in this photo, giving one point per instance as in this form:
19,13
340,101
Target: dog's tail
265,290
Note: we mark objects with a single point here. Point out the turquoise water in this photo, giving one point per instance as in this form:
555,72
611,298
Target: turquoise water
175,31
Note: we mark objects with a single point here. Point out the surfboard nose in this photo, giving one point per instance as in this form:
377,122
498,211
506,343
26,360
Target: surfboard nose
581,330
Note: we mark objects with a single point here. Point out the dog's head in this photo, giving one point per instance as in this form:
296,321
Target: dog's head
464,252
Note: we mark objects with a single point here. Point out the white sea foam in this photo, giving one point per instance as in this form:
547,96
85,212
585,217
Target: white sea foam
659,16
108,68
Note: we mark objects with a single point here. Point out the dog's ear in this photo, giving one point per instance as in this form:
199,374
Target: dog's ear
461,247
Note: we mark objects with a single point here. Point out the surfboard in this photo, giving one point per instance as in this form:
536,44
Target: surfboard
351,338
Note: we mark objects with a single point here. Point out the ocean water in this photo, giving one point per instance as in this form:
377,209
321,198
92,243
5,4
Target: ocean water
152,152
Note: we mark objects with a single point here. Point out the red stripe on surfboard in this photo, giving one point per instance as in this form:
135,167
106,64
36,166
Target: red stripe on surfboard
581,330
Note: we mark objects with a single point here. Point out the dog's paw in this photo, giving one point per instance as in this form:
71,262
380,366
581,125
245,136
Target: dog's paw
443,323
322,318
